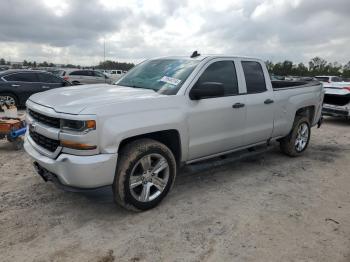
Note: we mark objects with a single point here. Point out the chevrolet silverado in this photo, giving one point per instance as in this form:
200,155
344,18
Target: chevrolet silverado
162,114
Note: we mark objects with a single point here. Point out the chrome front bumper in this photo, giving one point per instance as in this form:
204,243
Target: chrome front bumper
77,171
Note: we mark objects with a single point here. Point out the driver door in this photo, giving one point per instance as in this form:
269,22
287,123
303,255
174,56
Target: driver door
217,124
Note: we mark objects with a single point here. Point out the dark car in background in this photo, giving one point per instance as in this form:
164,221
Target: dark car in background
16,86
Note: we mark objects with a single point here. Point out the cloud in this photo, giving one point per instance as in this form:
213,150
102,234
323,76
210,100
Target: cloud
65,31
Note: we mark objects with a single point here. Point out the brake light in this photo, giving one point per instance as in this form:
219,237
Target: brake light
347,88
66,78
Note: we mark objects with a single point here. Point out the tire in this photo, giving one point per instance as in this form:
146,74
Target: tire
75,83
6,97
297,141
133,187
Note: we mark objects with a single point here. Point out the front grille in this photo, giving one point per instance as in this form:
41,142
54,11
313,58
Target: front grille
47,120
43,141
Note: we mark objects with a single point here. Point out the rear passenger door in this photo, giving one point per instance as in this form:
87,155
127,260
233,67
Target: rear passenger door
259,103
49,81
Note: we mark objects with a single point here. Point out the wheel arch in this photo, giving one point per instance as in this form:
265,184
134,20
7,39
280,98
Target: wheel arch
170,138
307,111
18,100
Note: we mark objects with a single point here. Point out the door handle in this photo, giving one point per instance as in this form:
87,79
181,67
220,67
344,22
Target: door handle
268,101
45,87
14,85
238,105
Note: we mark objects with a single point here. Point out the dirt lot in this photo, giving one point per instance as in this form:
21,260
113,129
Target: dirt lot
264,208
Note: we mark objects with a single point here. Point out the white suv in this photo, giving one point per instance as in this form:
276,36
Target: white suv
77,77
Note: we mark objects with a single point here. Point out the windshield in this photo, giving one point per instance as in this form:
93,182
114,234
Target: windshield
165,76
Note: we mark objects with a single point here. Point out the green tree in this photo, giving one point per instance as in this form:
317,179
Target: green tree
108,64
269,66
2,61
317,66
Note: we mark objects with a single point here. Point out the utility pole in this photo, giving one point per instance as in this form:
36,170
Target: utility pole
104,53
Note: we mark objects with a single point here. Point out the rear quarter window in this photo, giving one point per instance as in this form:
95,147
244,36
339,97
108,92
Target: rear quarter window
48,78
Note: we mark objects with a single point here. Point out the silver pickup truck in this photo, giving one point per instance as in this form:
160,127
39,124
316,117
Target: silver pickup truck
164,113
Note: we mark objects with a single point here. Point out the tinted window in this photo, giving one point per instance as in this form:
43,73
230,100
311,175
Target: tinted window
223,72
76,73
22,77
254,77
48,78
337,79
82,73
322,79
98,74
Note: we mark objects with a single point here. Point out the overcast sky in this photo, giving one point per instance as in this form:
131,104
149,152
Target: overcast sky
72,31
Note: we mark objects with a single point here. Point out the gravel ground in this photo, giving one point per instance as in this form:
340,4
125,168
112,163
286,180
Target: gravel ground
264,208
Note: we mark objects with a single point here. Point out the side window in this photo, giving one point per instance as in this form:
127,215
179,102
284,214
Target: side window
22,77
223,72
336,79
98,74
88,73
48,78
254,77
76,73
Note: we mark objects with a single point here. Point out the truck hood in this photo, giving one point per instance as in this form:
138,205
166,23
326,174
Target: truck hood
75,99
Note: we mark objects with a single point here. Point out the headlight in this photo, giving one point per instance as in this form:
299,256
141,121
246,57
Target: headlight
77,125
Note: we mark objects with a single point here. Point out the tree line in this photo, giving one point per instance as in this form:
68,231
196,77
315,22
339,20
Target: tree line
107,65
316,66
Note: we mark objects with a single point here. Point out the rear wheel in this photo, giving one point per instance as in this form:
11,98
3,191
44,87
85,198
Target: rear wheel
145,173
297,141
8,99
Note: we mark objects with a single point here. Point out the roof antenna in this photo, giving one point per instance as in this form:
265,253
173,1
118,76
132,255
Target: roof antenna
195,54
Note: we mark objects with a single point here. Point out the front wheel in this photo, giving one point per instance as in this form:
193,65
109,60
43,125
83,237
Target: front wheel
8,99
145,173
297,141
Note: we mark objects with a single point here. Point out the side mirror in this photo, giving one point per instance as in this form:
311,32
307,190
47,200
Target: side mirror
207,90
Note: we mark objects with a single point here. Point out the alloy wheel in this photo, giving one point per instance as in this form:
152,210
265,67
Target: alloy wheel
149,177
302,137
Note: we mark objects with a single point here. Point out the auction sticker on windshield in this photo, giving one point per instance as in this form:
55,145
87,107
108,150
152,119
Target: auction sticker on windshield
170,80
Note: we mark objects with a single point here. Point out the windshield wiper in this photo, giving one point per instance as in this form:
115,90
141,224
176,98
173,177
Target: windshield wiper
141,87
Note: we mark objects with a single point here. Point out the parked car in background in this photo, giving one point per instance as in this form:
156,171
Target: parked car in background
16,86
57,72
164,113
116,74
337,96
3,68
86,76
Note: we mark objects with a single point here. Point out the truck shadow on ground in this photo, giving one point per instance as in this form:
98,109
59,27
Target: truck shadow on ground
234,166
201,172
